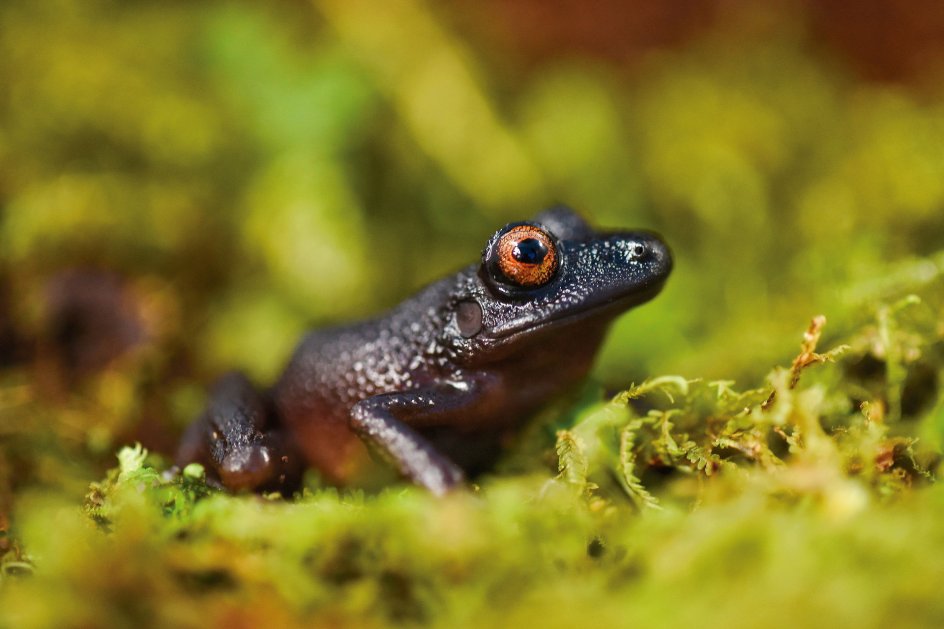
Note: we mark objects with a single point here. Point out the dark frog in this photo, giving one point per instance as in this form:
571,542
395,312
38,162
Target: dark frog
435,385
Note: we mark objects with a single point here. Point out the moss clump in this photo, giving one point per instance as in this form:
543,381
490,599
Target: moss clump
803,501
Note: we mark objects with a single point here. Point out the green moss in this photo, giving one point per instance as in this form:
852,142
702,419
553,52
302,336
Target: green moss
678,501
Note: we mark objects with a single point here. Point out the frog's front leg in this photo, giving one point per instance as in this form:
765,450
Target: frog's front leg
384,422
239,439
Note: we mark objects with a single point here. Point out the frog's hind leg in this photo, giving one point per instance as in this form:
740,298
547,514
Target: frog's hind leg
240,441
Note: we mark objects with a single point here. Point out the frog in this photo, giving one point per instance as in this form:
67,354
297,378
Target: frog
435,387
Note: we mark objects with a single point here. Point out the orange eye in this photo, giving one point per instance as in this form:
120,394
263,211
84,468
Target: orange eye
527,255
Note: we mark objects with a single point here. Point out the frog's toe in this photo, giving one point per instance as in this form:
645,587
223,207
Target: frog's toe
248,468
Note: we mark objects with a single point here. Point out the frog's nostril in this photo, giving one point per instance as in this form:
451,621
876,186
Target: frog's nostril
637,252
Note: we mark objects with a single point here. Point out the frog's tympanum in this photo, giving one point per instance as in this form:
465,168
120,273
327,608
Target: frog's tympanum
435,385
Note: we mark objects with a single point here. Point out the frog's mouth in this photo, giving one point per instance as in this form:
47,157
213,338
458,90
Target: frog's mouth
600,314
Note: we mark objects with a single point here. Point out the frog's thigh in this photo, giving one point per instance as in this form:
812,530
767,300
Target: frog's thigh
240,441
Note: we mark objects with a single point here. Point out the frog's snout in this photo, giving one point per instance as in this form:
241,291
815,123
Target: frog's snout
647,251
661,255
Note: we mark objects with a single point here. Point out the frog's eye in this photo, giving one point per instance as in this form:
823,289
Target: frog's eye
526,255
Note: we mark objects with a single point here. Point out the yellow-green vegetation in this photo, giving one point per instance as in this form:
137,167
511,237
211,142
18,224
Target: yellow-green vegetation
184,187
787,504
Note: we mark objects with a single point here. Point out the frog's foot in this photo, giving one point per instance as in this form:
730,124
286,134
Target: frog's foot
240,442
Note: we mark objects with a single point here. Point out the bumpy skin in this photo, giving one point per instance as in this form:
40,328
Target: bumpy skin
434,385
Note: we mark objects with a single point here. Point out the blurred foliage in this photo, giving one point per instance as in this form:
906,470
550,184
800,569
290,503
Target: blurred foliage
186,186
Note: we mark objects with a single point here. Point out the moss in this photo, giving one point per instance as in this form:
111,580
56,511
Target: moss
677,501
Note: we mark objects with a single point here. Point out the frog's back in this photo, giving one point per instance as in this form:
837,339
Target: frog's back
334,368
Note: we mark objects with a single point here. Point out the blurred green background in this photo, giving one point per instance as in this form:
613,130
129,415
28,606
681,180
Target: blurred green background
186,186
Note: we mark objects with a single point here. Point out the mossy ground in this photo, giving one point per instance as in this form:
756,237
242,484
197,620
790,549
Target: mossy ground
678,502
184,187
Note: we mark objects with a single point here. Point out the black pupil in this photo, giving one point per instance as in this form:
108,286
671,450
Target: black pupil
529,251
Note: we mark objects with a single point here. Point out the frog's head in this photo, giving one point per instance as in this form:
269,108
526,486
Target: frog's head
554,275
